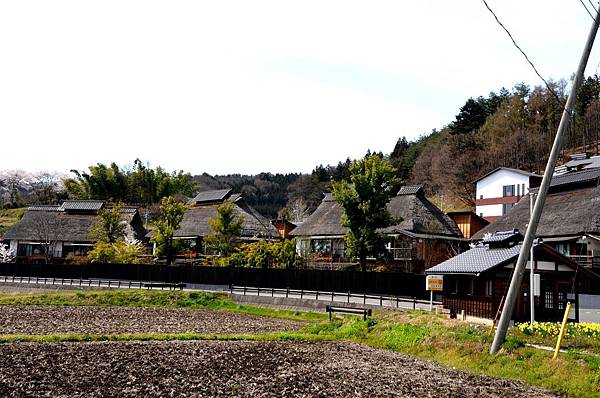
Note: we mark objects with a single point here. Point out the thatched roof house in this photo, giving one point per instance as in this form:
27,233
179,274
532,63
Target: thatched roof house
570,221
419,239
419,217
65,227
204,208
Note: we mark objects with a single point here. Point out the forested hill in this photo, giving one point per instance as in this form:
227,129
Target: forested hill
512,128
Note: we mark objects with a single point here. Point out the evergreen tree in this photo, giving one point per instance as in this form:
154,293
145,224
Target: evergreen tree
226,227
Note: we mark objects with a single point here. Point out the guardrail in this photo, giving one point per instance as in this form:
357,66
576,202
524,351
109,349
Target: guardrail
381,300
103,283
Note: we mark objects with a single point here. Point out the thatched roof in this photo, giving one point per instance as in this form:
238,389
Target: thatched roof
567,213
419,217
195,219
56,224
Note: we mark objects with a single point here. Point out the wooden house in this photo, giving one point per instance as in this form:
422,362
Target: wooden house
424,237
202,208
284,227
62,231
477,280
468,222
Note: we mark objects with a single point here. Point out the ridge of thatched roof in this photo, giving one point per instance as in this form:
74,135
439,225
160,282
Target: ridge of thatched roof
195,221
567,213
56,223
418,216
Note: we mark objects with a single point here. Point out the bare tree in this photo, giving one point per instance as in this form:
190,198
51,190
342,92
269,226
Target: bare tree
298,210
48,231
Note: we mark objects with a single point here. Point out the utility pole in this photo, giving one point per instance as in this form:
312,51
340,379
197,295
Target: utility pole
531,273
519,271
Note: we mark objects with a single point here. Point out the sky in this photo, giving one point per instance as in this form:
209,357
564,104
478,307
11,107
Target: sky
251,86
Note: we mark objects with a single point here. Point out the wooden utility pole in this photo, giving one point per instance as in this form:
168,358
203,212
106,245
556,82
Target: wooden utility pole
517,278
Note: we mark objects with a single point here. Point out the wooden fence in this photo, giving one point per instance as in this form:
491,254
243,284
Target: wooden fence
387,283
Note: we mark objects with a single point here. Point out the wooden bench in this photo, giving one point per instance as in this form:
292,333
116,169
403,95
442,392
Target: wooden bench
365,312
170,286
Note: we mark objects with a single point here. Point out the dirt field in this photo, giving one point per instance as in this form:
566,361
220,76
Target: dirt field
233,369
32,319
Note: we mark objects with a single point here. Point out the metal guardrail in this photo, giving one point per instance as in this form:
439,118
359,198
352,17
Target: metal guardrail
331,296
103,283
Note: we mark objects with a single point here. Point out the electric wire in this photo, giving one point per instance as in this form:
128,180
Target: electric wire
588,11
561,101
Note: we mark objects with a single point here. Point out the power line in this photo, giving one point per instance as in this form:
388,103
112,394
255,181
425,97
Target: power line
560,101
593,6
588,11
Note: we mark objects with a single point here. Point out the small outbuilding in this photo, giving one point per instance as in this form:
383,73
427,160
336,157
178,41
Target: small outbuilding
477,280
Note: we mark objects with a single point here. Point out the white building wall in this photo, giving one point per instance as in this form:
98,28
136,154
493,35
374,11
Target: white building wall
492,187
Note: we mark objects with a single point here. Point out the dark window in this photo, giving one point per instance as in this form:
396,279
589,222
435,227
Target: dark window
508,190
488,288
480,196
518,190
522,189
506,207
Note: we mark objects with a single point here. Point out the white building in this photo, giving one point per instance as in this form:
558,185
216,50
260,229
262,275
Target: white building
498,191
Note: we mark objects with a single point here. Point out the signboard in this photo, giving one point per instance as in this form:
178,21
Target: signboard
434,283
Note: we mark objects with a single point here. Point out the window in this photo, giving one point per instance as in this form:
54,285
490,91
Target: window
481,215
471,287
523,189
518,190
488,288
506,207
508,190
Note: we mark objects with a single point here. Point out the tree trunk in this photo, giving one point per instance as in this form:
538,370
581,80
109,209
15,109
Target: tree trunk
363,263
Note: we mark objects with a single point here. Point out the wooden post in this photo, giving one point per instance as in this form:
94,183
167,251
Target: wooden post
562,330
496,316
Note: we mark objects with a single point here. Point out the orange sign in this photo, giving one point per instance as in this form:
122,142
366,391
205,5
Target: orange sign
434,283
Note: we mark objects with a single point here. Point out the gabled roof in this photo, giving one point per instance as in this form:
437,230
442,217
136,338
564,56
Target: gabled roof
476,260
410,190
523,172
195,221
82,205
486,257
211,196
502,237
44,208
575,177
42,222
418,216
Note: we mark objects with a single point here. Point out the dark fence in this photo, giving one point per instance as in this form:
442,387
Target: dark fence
387,283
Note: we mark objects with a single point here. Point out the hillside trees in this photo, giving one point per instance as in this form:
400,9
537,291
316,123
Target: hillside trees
141,184
511,129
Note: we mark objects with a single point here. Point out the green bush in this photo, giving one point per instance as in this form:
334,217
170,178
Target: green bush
263,254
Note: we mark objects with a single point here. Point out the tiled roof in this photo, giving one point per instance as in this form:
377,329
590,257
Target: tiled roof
82,205
502,236
44,208
211,196
410,189
479,259
576,177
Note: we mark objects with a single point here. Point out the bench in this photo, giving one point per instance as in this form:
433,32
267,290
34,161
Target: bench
365,312
170,286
